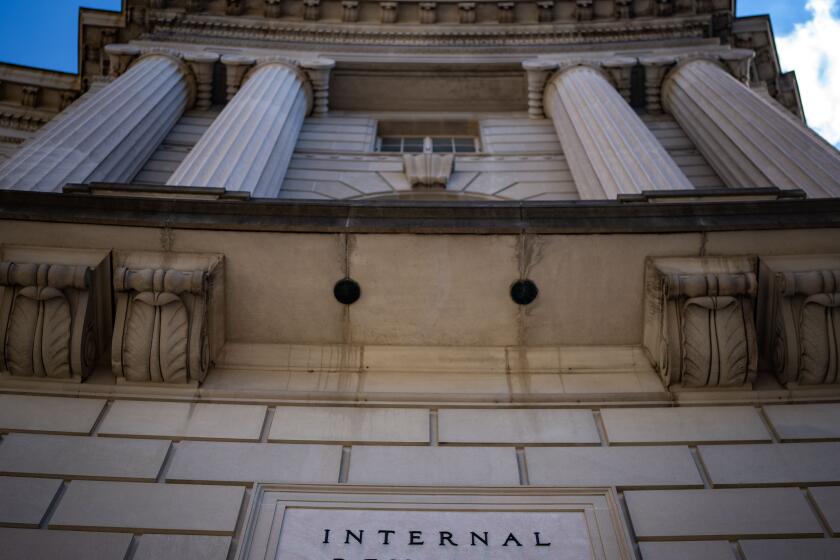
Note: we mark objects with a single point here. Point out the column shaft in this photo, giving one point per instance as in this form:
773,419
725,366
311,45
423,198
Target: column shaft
609,149
110,135
748,141
249,145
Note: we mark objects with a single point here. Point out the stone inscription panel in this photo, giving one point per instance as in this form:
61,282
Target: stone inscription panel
356,522
364,534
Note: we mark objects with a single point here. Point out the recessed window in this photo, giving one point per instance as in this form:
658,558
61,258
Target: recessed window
440,144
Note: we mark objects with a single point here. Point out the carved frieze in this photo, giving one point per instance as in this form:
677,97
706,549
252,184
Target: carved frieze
388,12
800,319
273,8
311,9
466,11
428,12
350,10
505,12
162,325
545,11
31,96
699,321
53,317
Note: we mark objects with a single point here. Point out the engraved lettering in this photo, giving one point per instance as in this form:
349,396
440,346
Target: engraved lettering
512,538
386,535
538,543
474,537
446,536
357,538
326,536
414,537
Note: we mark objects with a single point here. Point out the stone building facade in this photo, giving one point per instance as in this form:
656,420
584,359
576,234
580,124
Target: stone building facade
339,279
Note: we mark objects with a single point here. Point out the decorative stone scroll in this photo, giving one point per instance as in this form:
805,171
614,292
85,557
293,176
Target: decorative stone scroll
800,319
428,170
51,321
699,321
161,327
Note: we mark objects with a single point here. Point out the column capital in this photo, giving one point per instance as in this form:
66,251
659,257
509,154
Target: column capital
294,66
235,68
537,71
318,71
620,69
201,64
183,67
656,68
120,57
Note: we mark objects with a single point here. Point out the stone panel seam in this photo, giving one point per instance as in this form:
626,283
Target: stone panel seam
434,428
768,424
167,462
602,429
736,550
267,422
624,512
240,522
812,503
132,548
344,465
53,505
522,467
701,467
94,430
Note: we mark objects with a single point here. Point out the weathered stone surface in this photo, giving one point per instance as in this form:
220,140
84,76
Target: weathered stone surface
48,414
684,424
24,501
182,547
245,463
82,457
433,465
788,463
624,467
184,420
517,426
138,506
350,425
687,514
688,550
805,421
791,549
828,500
33,544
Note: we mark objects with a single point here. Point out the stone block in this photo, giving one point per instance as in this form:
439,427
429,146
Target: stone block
684,425
24,501
33,544
791,549
184,420
149,507
244,463
433,465
805,421
720,514
699,325
623,467
350,425
828,500
517,426
61,415
182,547
687,550
776,464
82,457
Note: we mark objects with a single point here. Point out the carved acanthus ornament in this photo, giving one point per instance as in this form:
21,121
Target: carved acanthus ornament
699,323
801,337
428,170
160,331
47,320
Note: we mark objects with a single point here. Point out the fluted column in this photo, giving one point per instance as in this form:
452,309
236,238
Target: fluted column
110,135
609,149
249,145
749,142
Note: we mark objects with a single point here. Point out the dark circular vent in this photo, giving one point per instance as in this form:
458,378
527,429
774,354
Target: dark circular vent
523,292
347,291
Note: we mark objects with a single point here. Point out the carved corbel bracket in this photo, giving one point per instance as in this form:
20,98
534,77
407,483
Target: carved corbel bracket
388,12
350,11
505,12
54,316
466,12
656,68
585,10
428,170
318,71
163,331
236,66
120,57
800,319
31,96
273,8
537,72
428,12
699,321
234,7
311,10
623,9
545,11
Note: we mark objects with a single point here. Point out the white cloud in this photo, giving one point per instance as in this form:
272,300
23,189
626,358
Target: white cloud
812,49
